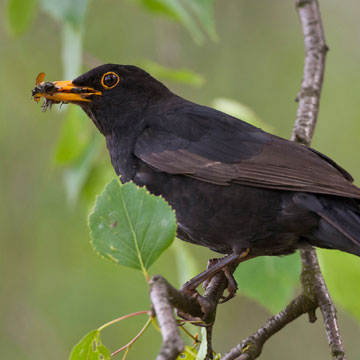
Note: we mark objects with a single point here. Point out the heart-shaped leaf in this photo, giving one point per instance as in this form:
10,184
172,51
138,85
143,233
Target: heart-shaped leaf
90,347
130,226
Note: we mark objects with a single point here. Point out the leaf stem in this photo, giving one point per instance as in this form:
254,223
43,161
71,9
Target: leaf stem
148,322
155,324
102,327
126,353
188,333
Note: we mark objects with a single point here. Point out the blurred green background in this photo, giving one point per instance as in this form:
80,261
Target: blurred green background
54,287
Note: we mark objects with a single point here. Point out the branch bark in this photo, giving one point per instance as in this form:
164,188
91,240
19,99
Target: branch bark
251,347
164,298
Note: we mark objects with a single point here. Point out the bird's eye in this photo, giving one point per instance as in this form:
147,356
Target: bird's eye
110,80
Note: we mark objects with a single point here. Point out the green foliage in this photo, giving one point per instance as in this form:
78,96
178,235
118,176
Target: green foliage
67,11
72,50
20,14
240,111
194,15
186,263
188,354
204,11
201,355
74,137
131,227
180,76
90,347
342,275
196,352
269,280
76,176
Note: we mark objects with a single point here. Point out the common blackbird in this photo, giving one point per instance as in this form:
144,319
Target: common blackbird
235,188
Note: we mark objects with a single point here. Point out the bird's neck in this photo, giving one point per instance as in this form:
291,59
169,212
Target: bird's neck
120,144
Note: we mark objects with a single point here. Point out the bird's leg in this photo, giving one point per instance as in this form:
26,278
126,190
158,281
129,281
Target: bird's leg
232,285
214,266
211,262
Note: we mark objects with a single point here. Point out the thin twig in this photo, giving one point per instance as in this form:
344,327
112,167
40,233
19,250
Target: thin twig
136,337
127,316
319,290
251,347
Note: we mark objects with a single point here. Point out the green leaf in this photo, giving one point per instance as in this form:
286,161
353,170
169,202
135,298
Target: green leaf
100,174
182,76
201,355
160,7
189,353
74,137
130,226
240,111
90,347
76,176
67,11
342,276
186,263
269,280
204,11
20,14
176,10
72,50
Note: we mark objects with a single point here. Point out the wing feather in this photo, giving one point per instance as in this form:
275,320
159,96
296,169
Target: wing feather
232,154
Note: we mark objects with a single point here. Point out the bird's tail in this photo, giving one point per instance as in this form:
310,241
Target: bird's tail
339,225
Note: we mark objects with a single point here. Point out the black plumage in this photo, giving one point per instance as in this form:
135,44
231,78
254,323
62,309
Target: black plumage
233,186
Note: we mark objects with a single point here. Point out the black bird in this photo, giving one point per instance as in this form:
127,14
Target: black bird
235,188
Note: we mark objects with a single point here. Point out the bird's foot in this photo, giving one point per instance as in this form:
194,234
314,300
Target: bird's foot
225,264
206,307
232,285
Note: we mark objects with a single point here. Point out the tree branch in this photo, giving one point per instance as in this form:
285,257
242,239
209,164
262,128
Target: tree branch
315,293
314,65
251,347
165,297
307,114
317,289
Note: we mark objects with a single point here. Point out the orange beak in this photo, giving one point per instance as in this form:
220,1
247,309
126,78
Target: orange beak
62,91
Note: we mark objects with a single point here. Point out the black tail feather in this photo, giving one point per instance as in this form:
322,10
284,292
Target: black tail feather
339,224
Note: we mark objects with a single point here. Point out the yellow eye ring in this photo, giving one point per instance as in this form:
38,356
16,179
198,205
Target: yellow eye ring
109,80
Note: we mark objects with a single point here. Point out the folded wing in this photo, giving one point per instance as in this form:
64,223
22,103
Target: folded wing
231,151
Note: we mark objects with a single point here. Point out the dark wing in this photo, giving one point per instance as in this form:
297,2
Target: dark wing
216,148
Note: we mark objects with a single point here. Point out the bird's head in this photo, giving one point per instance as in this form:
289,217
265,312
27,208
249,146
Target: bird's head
109,93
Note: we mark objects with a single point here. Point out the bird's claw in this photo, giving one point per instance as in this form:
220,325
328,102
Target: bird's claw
205,306
232,286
